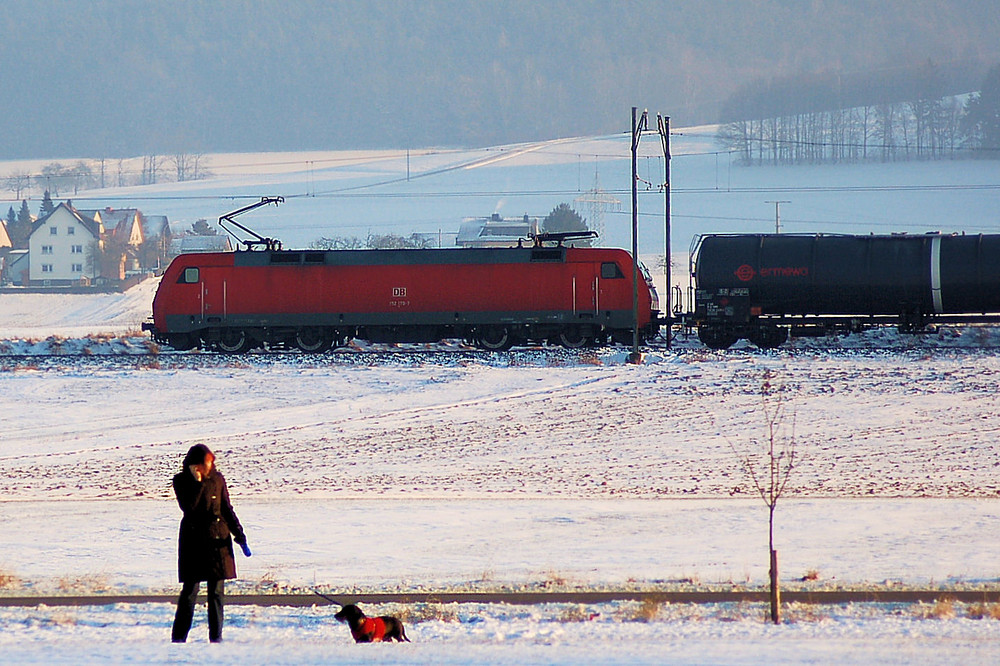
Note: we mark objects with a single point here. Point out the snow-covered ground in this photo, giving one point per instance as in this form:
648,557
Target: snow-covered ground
530,470
499,634
379,468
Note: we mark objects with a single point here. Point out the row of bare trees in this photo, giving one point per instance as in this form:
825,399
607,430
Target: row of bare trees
373,242
59,179
917,130
885,116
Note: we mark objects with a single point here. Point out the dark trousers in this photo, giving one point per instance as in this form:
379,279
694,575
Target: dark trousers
185,610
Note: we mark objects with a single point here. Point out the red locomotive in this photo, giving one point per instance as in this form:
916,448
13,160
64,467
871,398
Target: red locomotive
316,299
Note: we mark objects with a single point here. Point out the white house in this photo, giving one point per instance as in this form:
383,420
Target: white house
4,236
59,247
122,228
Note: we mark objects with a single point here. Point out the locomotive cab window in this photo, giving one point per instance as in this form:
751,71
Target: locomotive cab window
610,271
189,276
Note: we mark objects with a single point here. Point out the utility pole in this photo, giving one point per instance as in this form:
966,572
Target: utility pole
637,128
777,214
663,126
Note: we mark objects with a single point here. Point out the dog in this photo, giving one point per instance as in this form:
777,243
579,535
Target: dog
366,629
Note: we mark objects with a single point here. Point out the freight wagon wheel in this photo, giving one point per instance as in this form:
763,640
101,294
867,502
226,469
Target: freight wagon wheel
573,338
768,337
312,340
717,337
495,338
233,341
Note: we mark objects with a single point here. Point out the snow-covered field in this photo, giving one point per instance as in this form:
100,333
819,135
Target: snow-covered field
419,469
529,470
500,634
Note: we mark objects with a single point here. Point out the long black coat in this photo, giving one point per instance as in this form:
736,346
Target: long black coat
208,528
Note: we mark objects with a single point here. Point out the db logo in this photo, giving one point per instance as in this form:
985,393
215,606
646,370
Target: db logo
399,292
744,273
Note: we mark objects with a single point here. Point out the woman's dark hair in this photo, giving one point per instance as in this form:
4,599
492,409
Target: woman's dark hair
196,455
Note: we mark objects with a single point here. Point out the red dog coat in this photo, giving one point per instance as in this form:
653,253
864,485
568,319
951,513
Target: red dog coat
374,628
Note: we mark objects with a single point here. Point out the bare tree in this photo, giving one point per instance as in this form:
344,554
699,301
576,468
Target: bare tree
769,463
18,182
188,166
151,169
337,243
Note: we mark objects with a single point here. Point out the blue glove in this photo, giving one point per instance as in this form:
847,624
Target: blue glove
246,549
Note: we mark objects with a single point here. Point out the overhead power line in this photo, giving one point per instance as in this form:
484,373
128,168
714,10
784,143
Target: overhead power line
343,194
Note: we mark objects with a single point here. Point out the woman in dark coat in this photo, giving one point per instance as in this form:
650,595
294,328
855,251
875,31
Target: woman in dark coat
208,529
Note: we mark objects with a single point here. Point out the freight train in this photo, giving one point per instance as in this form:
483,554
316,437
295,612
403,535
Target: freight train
313,300
762,286
759,287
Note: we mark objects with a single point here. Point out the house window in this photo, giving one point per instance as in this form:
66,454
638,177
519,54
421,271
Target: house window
77,268
53,231
46,249
70,231
46,268
77,249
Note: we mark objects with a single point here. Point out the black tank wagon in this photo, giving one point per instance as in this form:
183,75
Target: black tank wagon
760,286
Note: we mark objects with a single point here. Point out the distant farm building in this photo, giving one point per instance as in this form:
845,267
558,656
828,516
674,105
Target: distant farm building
496,231
195,244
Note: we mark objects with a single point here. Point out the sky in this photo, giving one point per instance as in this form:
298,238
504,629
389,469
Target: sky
122,78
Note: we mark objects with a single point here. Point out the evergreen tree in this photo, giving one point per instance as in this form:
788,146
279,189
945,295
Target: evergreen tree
24,215
564,218
201,227
21,227
47,206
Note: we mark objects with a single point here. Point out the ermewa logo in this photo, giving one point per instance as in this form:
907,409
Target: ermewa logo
745,273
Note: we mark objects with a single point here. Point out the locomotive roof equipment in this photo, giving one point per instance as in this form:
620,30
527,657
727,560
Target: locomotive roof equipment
258,240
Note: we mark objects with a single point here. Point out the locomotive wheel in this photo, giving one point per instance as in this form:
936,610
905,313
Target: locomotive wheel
312,340
768,337
495,338
182,341
233,341
624,337
573,338
717,337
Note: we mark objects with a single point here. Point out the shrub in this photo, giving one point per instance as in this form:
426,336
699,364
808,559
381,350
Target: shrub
428,612
983,611
942,609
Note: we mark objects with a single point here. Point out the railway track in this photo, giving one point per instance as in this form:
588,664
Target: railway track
533,598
